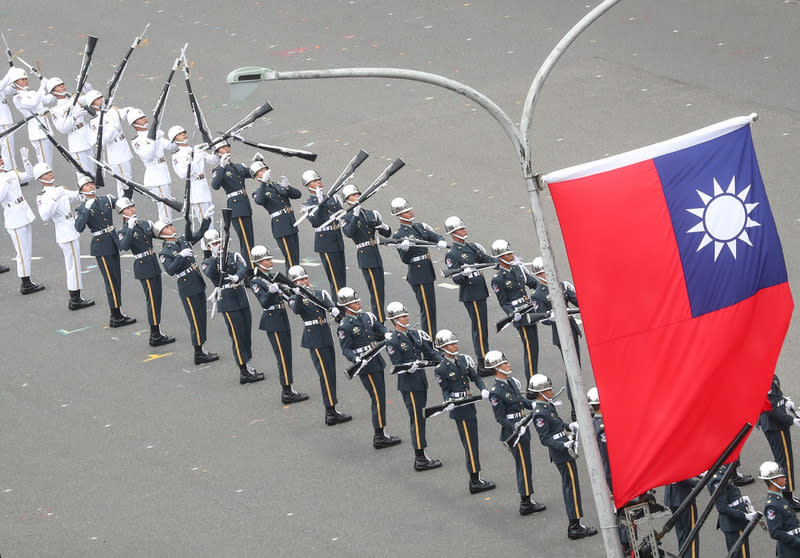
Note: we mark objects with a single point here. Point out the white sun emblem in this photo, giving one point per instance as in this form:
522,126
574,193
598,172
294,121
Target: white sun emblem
724,218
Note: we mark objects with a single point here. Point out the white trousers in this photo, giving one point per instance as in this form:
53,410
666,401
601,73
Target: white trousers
199,212
72,263
85,159
21,238
44,151
164,211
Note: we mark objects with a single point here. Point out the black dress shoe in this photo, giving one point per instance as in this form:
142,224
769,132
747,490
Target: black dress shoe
78,303
29,288
160,339
4,268
205,358
250,378
425,463
578,531
120,322
480,485
381,441
482,370
531,506
335,417
743,479
289,397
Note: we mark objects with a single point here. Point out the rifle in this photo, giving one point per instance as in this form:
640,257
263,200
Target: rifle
429,412
285,151
227,214
137,187
346,174
91,42
187,192
511,442
9,55
371,190
158,110
199,120
248,120
32,69
353,370
413,241
535,316
64,153
406,366
17,125
456,271
306,293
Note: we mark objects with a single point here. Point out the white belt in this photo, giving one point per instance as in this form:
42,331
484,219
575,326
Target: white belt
200,177
143,254
59,219
78,126
108,229
236,193
230,285
318,321
281,212
793,532
559,435
458,394
515,415
161,160
420,258
521,300
332,227
186,271
737,502
364,349
120,137
274,307
17,201
471,274
365,244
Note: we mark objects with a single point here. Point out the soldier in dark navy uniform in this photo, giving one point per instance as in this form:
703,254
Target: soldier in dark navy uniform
735,511
328,241
231,301
674,495
454,374
274,197
510,406
781,518
360,225
358,333
318,340
98,215
275,321
776,424
472,291
137,236
408,346
230,177
560,440
420,274
593,398
178,260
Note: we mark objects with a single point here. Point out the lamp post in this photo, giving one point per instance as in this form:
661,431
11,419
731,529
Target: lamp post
247,76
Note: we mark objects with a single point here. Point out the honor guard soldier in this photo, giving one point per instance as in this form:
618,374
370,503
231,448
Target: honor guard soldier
70,119
358,333
454,374
735,512
776,424
17,218
420,270
509,285
360,225
274,197
156,172
200,195
593,398
472,291
118,152
98,215
7,90
275,321
28,103
781,518
561,444
137,236
228,278
409,346
230,177
53,204
178,260
328,241
318,340
674,495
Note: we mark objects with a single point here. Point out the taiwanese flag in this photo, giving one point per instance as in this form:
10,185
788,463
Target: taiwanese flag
683,291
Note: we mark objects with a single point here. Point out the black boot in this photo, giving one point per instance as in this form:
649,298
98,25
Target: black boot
118,319
206,254
289,396
742,479
76,302
202,357
333,417
482,370
4,268
477,484
28,286
528,505
157,338
424,463
381,440
794,503
578,531
249,375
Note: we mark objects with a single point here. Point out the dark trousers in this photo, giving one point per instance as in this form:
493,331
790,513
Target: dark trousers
522,459
152,296
730,539
112,277
324,360
374,279
244,230
334,266
468,432
290,247
195,308
683,526
780,442
478,316
570,489
426,298
415,402
281,342
376,388
530,347
239,324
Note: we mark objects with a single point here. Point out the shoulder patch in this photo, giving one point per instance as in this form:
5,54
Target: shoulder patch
162,258
494,401
539,422
341,334
496,287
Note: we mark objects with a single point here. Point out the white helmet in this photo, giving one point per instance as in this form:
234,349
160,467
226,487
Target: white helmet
212,236
256,166
537,265
493,359
123,203
452,224
310,176
539,383
218,142
174,131
92,96
83,179
53,82
16,73
501,247
395,310
770,470
259,253
593,396
348,190
346,295
297,272
444,337
400,205
134,114
159,226
40,169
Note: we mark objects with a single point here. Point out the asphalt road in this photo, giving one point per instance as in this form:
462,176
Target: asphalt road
113,449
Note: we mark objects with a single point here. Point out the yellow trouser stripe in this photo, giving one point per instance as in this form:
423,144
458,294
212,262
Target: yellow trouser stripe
480,328
693,520
76,263
744,549
288,253
246,241
20,256
574,490
469,446
283,360
528,352
152,303
333,275
788,462
378,301
235,339
427,311
110,282
416,423
377,400
194,321
324,376
524,470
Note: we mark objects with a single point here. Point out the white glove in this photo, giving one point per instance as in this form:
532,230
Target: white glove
441,244
405,245
23,151
284,182
387,335
89,203
485,393
210,211
58,193
357,210
232,278
225,160
569,444
320,195
414,368
132,222
751,515
273,288
517,317
384,227
573,426
357,360
297,291
522,431
796,421
789,404
467,269
335,312
160,134
449,408
186,252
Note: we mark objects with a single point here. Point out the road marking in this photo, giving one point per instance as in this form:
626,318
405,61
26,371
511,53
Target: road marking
154,356
447,285
67,332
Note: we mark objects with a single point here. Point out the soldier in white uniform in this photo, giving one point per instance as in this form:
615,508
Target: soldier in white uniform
54,205
6,120
156,172
17,217
118,153
200,195
29,102
71,121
